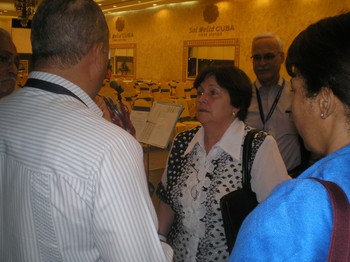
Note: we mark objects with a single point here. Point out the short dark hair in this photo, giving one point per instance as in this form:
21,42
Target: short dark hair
321,53
63,31
235,81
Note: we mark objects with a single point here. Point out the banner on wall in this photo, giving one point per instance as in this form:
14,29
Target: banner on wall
211,30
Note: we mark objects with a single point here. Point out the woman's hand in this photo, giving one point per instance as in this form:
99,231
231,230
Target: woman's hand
165,218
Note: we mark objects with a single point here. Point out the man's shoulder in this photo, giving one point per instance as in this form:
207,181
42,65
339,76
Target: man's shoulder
106,132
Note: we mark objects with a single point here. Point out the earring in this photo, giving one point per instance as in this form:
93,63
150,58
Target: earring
234,114
322,115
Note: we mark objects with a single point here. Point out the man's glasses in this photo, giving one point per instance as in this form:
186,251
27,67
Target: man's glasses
7,59
265,57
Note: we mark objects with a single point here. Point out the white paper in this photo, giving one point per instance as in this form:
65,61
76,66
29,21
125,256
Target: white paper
156,127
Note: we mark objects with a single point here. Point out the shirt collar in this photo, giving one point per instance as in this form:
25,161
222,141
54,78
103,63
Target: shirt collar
230,142
279,83
68,85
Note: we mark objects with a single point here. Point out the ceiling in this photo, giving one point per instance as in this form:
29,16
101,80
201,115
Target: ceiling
7,8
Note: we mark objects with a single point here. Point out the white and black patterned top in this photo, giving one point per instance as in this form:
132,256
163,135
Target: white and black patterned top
194,183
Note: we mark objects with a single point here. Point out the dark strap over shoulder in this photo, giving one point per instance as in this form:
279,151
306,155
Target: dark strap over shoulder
248,156
236,205
340,242
247,148
50,87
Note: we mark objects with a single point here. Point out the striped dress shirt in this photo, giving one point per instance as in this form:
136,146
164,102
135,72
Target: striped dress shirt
72,185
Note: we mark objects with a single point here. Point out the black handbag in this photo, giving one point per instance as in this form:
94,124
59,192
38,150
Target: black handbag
236,205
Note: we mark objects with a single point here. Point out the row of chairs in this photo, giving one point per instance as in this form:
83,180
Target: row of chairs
140,95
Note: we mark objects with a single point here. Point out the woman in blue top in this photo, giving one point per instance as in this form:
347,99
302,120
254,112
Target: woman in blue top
299,227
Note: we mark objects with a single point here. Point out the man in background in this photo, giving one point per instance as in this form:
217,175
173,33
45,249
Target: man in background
72,184
270,109
9,62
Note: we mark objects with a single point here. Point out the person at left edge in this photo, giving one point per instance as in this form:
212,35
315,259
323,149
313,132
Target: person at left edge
9,63
72,185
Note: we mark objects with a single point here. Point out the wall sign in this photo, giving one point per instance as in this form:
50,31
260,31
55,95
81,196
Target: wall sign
120,35
211,13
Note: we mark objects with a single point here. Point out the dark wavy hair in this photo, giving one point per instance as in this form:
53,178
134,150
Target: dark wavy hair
321,53
63,31
235,81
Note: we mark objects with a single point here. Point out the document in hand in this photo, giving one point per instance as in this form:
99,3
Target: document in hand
156,126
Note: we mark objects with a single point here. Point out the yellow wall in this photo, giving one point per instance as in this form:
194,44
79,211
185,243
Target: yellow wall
159,33
5,23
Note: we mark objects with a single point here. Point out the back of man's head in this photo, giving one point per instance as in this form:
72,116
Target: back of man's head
63,32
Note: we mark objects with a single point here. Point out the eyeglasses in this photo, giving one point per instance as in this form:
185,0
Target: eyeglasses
7,59
212,92
265,57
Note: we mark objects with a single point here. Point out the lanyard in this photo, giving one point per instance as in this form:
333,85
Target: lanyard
50,87
273,107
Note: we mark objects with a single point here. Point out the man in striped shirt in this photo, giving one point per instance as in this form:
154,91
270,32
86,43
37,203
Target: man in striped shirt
72,184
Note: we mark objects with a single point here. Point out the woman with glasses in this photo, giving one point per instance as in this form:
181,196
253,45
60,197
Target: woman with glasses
205,164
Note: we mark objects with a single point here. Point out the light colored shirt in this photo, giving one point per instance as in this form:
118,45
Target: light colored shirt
268,169
72,185
295,222
280,125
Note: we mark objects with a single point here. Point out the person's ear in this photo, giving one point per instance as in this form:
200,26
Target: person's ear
326,102
97,54
235,111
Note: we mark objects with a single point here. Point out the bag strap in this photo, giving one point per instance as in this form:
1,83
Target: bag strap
247,151
340,242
